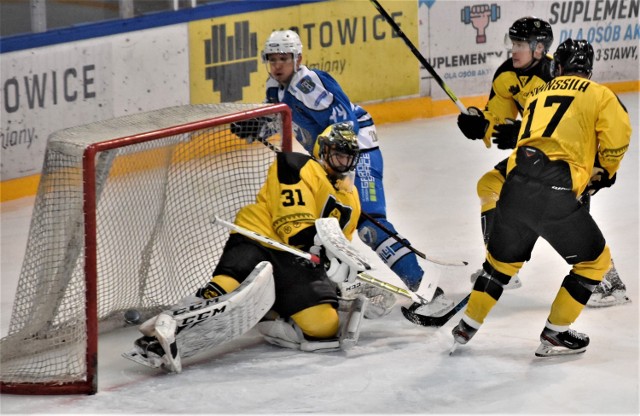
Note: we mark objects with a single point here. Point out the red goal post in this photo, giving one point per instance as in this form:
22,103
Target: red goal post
122,220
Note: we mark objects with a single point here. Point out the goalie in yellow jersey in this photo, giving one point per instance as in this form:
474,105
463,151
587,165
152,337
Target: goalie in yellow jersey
574,135
300,300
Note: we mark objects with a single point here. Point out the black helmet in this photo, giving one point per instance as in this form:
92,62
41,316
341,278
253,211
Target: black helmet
574,56
338,139
532,30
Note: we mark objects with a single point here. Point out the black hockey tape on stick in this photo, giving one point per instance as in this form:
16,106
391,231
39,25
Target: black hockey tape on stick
408,245
418,55
432,320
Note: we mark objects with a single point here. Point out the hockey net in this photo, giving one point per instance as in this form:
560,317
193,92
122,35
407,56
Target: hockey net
122,220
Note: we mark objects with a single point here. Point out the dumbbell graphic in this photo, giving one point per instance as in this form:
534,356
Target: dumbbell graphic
479,16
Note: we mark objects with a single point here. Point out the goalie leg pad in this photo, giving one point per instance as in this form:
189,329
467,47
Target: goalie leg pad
351,312
380,301
200,324
285,333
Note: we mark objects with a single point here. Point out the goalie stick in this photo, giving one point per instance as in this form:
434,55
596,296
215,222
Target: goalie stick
408,245
421,58
413,317
316,260
264,239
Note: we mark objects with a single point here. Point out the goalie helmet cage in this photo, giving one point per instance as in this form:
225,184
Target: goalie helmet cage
125,223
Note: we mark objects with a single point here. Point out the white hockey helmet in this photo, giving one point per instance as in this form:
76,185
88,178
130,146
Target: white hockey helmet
282,41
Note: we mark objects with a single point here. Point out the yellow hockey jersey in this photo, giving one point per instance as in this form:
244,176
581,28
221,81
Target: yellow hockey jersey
510,89
296,193
572,118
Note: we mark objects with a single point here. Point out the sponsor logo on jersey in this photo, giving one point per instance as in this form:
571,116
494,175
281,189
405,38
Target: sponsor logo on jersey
306,85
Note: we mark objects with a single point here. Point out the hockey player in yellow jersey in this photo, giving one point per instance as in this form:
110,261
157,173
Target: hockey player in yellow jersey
529,40
299,189
529,67
573,137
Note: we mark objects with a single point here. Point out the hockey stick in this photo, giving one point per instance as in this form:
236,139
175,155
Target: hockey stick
316,260
408,245
421,58
409,314
432,320
264,239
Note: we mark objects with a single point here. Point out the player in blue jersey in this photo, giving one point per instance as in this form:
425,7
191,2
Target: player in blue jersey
317,101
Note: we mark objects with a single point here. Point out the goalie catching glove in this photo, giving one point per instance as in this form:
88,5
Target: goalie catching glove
342,260
339,268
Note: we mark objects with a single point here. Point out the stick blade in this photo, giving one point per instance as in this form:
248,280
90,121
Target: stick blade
433,320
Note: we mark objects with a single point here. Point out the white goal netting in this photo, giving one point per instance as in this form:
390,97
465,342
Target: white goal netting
159,179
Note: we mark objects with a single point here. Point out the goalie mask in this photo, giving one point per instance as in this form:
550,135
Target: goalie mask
531,30
283,42
573,56
337,148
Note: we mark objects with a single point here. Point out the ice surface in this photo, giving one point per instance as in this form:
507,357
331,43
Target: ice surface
430,174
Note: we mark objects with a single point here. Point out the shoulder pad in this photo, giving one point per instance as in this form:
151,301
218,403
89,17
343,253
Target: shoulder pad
307,87
290,165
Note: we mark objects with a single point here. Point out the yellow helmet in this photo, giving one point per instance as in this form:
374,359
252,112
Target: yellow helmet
337,147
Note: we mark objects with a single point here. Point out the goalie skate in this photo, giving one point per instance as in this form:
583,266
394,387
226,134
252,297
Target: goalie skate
197,325
147,351
286,333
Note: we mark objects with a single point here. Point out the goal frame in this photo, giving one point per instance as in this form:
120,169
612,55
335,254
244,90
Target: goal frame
90,153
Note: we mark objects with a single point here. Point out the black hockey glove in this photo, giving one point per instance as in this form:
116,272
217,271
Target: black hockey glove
249,129
599,179
473,125
505,135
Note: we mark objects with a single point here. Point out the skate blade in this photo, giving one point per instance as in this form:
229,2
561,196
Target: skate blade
553,351
136,357
608,301
454,347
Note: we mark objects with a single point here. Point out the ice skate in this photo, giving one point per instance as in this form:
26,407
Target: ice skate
610,292
438,306
462,333
514,283
568,342
147,351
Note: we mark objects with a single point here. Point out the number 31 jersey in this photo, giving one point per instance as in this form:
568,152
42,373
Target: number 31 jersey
296,193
